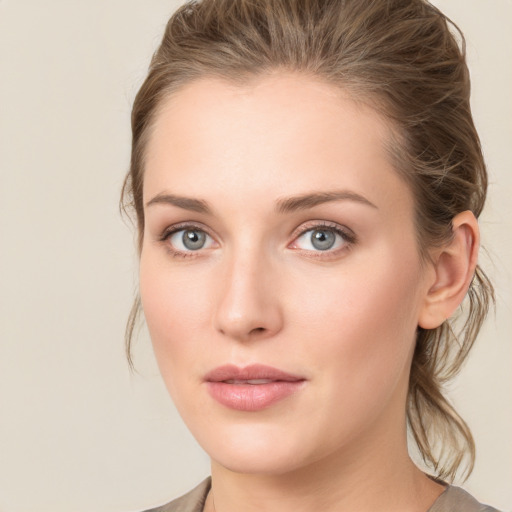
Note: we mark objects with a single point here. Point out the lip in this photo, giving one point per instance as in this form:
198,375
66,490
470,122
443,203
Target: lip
251,388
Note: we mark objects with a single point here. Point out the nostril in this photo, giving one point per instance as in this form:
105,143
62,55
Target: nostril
257,330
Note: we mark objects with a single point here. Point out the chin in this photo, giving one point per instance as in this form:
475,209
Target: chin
257,462
256,449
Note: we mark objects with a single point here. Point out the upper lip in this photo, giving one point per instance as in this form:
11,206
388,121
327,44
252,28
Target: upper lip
251,372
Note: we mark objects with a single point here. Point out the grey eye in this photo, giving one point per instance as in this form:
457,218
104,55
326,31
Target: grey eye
193,240
186,240
323,239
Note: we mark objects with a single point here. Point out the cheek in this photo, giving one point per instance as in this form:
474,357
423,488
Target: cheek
175,307
363,322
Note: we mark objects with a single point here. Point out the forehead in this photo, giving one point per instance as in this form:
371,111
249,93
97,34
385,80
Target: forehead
287,133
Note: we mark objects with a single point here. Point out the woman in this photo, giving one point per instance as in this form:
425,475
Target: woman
306,178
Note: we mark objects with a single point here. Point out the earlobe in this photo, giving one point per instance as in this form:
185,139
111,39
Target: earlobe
454,267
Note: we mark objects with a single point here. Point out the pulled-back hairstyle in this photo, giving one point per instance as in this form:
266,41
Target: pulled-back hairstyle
406,60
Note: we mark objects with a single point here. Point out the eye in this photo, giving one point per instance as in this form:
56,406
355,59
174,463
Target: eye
190,239
322,238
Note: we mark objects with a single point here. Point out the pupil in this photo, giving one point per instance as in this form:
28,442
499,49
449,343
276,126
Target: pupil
322,240
193,240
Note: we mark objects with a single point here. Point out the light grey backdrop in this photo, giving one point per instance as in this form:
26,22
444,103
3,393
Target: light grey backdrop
77,431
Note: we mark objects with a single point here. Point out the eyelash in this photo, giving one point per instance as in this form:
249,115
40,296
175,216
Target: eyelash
347,235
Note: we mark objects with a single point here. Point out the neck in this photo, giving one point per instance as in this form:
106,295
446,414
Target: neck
368,477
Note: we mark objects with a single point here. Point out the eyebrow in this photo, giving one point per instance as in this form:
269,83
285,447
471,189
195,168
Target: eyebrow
186,203
305,201
285,205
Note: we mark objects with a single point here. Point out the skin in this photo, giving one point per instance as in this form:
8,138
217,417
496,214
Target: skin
260,292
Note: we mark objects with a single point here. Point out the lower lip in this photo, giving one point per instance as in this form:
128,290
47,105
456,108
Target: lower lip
252,397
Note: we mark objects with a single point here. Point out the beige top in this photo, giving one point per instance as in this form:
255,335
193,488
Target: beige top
453,499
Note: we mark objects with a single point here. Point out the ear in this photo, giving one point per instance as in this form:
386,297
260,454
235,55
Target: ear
454,267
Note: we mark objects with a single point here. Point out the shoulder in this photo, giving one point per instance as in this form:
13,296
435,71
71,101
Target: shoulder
455,499
193,501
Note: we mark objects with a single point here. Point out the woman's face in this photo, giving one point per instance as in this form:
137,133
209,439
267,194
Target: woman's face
280,276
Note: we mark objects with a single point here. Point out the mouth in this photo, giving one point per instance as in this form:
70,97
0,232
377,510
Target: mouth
254,382
251,388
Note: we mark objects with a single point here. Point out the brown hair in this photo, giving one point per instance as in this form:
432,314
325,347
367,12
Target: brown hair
401,57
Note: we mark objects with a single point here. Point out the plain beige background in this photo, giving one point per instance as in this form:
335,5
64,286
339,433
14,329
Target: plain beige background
77,431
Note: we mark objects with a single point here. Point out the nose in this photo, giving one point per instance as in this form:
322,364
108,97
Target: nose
248,307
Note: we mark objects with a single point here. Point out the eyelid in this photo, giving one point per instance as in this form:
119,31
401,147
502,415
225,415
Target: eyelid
325,224
180,226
